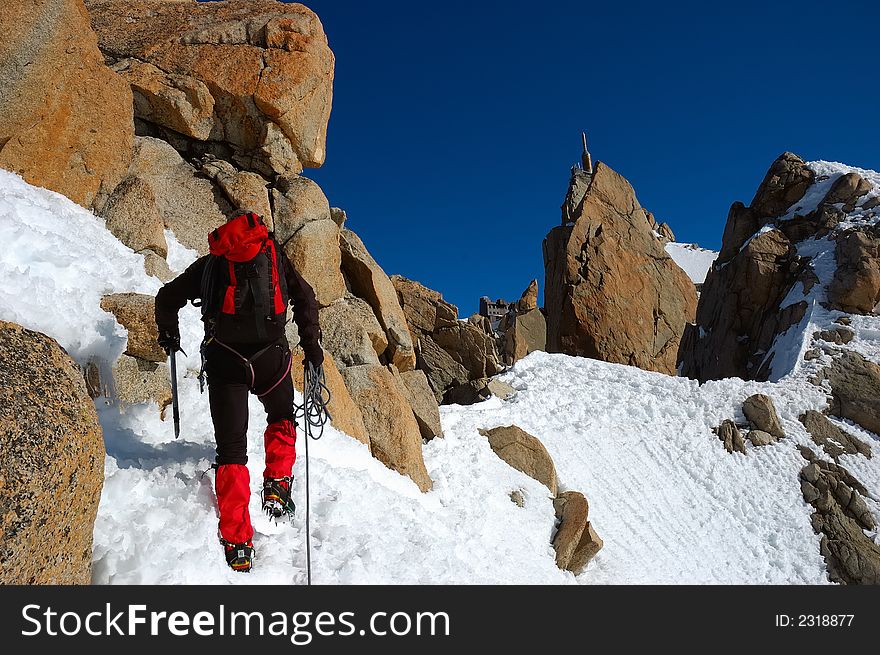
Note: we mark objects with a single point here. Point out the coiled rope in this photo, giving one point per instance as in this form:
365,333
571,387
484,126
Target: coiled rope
314,415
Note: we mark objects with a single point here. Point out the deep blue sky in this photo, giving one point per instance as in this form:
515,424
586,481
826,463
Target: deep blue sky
455,124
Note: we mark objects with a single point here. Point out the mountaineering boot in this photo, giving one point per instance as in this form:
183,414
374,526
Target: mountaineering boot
276,497
240,557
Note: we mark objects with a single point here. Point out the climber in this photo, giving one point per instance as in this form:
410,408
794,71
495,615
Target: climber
243,288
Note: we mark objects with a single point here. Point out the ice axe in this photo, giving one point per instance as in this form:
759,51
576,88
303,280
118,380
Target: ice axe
174,404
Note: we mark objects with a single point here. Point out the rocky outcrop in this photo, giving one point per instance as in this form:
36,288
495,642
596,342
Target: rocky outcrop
758,288
761,414
856,284
249,81
834,441
575,542
841,516
525,453
51,463
136,313
855,389
389,421
368,281
611,291
65,119
454,354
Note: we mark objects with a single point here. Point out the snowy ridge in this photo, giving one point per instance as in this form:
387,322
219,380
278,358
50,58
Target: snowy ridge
692,259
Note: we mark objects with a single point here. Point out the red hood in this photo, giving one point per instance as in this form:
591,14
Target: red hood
240,239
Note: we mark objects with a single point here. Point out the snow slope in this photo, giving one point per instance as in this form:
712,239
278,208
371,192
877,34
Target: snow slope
692,259
670,503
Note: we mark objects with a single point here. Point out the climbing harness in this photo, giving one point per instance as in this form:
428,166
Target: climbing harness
247,362
314,414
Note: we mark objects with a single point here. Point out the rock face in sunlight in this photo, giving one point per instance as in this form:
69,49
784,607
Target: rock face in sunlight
611,291
246,80
65,118
770,274
51,463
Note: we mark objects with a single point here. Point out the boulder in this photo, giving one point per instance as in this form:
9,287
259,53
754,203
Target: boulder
575,542
856,284
523,334
346,417
136,313
351,332
611,290
368,281
731,437
266,66
760,438
784,185
138,380
847,189
132,215
524,453
297,200
831,438
246,191
179,102
529,299
589,544
761,414
51,463
418,394
424,309
855,389
189,204
665,232
314,253
841,516
65,118
389,421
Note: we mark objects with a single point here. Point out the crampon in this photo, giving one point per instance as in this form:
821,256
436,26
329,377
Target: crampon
240,557
276,498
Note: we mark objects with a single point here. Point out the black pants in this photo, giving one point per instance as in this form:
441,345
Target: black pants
229,383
